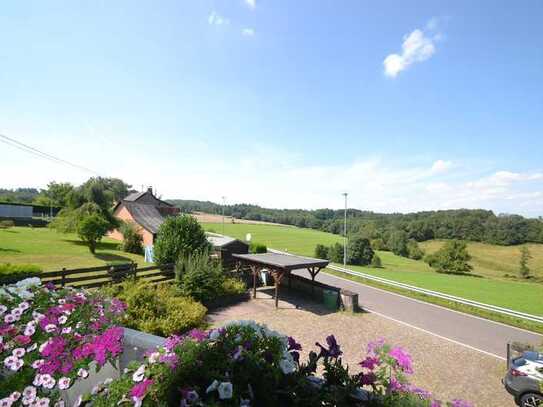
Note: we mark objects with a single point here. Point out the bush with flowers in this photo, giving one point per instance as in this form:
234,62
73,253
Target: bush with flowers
247,364
49,338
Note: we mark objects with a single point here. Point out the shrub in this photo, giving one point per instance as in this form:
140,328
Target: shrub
321,252
376,261
360,251
132,240
199,277
258,248
335,252
414,251
232,286
247,364
378,244
10,273
157,309
7,223
178,237
452,258
398,243
525,256
91,229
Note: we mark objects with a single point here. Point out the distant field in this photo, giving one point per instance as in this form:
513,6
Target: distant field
518,295
296,240
495,261
53,251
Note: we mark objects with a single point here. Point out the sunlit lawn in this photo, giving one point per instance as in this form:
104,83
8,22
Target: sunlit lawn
491,288
53,251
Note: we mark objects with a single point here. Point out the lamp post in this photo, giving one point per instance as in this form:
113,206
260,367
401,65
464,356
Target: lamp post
345,232
223,205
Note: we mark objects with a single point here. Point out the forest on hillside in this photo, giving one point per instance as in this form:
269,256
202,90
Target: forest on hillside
476,225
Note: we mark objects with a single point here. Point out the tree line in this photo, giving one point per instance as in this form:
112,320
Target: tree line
476,225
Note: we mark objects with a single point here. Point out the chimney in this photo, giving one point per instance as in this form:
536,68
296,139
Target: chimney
150,190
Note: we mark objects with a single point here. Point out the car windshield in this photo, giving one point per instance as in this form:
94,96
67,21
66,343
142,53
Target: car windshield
533,356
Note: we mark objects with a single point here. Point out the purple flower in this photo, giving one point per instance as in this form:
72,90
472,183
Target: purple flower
139,390
374,346
197,334
370,362
367,379
403,359
293,345
172,341
333,350
169,359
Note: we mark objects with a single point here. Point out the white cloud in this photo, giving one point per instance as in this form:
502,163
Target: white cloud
248,32
418,46
251,3
441,166
274,177
215,18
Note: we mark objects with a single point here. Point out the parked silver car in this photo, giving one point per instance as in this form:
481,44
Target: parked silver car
524,378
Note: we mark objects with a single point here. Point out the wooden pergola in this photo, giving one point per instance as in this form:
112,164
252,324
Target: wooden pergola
279,265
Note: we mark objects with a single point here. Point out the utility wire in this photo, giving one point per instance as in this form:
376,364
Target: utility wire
29,149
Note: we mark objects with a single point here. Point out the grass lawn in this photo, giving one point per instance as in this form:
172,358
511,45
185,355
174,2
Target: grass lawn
494,261
53,251
491,288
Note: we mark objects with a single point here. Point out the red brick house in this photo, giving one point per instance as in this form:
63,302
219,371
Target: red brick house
145,211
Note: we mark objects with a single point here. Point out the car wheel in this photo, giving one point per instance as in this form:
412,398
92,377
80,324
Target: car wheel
531,400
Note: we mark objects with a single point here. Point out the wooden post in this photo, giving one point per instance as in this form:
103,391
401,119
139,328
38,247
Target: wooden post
254,270
277,279
63,277
134,270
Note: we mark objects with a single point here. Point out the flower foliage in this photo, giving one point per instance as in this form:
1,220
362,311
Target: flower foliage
247,364
49,338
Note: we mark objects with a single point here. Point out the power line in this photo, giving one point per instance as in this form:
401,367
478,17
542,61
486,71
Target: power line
29,149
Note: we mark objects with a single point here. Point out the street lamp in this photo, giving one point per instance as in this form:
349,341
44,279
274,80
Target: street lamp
345,232
223,205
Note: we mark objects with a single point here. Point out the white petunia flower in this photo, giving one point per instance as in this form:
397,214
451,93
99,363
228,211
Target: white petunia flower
62,319
212,387
287,366
18,352
225,390
82,373
139,374
64,383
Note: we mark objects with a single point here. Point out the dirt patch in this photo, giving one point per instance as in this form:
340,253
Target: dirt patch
447,369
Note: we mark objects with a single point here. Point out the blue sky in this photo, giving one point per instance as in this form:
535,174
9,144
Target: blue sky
281,103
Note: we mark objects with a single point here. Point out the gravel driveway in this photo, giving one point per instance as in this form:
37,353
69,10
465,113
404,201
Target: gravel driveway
447,369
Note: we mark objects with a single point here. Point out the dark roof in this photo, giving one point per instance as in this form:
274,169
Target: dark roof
222,241
147,216
285,262
134,196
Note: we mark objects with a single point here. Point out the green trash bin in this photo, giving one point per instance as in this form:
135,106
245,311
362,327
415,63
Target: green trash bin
330,299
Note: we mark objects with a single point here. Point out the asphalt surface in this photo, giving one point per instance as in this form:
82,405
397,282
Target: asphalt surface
480,334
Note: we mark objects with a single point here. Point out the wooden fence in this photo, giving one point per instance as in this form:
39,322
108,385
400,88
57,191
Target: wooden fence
98,276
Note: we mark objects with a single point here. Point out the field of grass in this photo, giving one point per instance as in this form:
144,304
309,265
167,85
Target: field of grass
53,251
490,289
494,261
287,238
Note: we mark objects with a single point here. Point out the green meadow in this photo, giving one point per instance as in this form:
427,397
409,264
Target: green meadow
487,284
53,251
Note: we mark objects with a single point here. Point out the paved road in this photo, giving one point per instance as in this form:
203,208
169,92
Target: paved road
478,333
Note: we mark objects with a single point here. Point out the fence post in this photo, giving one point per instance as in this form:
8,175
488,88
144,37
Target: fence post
63,277
134,271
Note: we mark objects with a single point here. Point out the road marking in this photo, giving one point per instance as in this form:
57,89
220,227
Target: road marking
437,335
434,305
